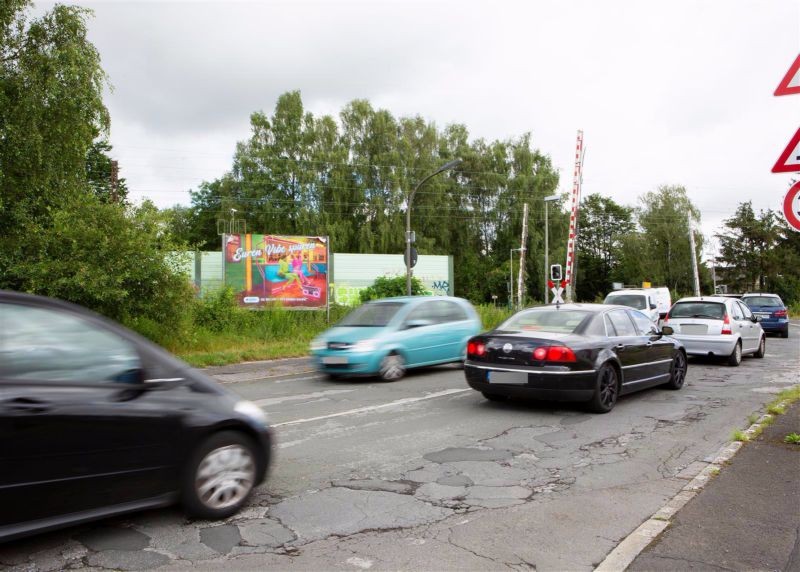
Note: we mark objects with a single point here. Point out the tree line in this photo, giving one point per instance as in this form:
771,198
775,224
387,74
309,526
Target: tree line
68,230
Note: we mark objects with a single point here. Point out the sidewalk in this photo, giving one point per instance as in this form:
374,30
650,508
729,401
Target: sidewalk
746,518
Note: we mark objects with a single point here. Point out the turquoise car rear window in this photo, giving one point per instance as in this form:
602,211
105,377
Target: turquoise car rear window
372,314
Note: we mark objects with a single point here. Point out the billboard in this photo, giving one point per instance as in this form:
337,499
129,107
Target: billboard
267,268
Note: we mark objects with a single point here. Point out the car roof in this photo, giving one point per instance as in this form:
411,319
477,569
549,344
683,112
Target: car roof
593,308
717,299
760,294
408,299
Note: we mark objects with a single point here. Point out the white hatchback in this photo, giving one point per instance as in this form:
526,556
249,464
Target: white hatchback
716,326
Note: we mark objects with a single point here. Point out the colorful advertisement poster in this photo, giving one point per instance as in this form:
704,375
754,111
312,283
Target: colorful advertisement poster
267,268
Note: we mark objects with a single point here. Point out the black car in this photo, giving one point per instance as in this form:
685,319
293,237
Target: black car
96,421
574,352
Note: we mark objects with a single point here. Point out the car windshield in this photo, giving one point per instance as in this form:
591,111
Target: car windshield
545,320
375,314
708,310
630,300
770,301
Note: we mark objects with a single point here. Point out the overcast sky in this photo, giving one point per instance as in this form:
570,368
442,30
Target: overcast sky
667,92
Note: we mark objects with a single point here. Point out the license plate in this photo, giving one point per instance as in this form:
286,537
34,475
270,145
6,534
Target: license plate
334,360
763,314
696,329
508,377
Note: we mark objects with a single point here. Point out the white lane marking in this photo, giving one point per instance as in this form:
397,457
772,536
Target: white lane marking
315,395
397,403
256,375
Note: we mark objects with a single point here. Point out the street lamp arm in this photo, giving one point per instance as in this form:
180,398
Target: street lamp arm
441,169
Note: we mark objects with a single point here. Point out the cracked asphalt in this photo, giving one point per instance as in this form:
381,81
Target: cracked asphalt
424,473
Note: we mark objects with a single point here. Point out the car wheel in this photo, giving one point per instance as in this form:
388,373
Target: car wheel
220,476
762,348
677,371
494,396
736,356
393,367
606,390
785,334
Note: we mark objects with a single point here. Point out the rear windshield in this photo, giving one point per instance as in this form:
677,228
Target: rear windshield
771,301
630,300
708,310
545,320
372,314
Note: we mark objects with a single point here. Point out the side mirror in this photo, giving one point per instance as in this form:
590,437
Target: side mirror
417,324
754,319
667,330
653,306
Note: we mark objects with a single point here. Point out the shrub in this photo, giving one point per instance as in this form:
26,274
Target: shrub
386,287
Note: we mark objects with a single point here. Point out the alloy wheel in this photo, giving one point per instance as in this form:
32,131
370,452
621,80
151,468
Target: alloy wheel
225,476
678,371
392,367
608,387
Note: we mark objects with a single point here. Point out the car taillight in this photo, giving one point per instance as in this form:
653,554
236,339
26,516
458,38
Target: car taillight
561,354
666,319
540,354
779,313
476,349
726,324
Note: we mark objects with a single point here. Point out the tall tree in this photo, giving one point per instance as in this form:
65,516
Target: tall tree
603,226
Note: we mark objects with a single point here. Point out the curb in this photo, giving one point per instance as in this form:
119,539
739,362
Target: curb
633,544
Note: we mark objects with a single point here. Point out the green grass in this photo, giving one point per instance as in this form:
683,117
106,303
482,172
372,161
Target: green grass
792,439
739,435
218,332
752,418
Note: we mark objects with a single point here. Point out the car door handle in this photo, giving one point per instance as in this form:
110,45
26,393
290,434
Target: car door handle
649,344
26,405
620,347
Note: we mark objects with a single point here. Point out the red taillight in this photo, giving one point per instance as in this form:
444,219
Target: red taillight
476,349
666,319
560,354
726,324
779,313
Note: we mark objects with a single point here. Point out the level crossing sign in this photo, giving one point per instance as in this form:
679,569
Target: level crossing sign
789,161
791,81
558,290
791,206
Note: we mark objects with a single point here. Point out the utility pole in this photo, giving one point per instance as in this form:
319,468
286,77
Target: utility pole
694,260
521,281
114,181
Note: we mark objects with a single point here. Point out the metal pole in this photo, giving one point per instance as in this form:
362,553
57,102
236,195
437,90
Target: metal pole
694,260
546,254
521,283
511,278
441,169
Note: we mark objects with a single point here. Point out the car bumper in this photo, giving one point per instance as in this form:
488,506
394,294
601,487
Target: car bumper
774,326
708,345
357,363
555,386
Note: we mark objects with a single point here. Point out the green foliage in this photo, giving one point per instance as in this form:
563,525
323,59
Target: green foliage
792,439
492,316
387,287
739,435
99,172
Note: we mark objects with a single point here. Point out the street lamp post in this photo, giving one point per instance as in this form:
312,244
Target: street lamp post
441,169
511,274
549,199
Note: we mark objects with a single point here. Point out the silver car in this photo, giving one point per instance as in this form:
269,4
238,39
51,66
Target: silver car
716,326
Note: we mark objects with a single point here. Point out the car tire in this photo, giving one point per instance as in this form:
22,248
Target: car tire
494,396
785,334
762,348
392,367
677,371
736,355
606,391
220,476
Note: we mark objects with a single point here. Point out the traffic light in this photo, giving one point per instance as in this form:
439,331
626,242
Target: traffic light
555,272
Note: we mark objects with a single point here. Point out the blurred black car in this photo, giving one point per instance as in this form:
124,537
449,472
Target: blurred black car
574,352
96,421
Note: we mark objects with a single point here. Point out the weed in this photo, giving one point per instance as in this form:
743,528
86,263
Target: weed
792,439
739,435
776,409
714,471
752,418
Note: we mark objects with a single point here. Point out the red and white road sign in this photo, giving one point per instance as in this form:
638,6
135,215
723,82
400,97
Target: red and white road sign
789,161
791,206
791,81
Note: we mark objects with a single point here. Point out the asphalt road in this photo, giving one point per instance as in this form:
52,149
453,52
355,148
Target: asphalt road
424,474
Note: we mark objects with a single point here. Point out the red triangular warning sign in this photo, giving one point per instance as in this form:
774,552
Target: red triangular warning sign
791,81
789,161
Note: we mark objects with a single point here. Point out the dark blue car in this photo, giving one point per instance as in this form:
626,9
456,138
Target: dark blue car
770,311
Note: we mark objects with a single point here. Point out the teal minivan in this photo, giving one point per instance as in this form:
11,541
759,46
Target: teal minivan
387,337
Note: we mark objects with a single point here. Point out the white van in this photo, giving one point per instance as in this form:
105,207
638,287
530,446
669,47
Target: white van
653,302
